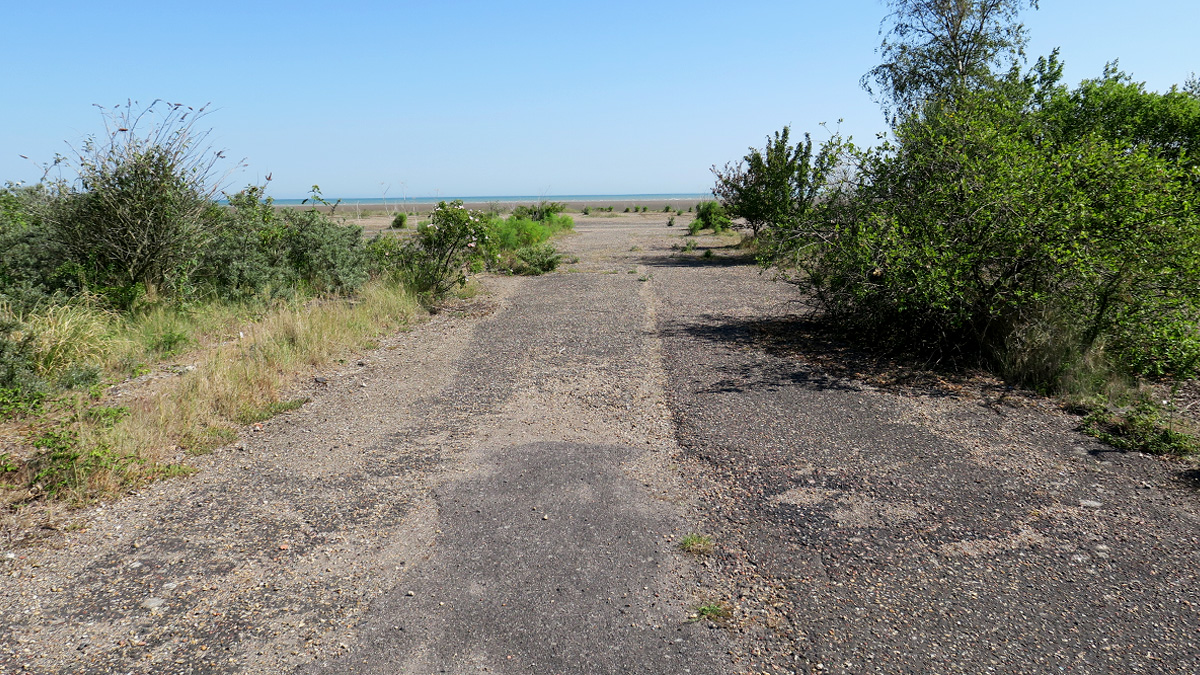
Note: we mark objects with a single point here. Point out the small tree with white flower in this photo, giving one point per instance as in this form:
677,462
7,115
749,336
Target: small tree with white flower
441,252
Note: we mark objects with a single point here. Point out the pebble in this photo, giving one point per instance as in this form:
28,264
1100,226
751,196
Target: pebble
1090,503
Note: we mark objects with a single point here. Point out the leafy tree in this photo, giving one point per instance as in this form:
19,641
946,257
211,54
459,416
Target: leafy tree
943,49
1122,111
774,186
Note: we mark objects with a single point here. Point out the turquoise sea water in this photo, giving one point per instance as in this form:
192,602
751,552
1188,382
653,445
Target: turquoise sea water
503,199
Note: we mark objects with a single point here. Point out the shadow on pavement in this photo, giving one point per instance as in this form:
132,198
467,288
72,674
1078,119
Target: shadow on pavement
817,355
695,258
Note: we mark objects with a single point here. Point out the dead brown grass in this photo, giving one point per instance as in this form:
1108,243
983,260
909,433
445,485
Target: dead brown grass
99,448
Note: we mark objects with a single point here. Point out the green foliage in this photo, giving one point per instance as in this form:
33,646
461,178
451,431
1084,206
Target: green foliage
518,246
438,256
140,208
543,210
587,210
993,227
18,363
712,611
700,544
938,50
529,260
516,232
106,416
60,464
775,186
35,268
1142,428
710,216
671,221
259,251
400,221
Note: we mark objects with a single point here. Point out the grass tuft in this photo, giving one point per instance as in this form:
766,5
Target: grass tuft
716,612
699,544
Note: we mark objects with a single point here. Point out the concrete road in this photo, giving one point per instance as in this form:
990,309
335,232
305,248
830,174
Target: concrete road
505,489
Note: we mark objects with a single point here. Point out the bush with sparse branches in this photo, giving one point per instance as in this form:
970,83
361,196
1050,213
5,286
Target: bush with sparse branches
140,207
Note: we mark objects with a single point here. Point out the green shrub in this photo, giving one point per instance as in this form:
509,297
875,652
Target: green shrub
34,269
530,260
774,186
140,210
990,229
400,221
543,210
61,463
18,359
1142,428
258,251
436,258
385,256
324,256
710,216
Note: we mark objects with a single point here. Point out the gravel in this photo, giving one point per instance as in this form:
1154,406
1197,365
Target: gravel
504,487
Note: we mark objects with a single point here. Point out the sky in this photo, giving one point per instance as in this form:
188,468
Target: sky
462,98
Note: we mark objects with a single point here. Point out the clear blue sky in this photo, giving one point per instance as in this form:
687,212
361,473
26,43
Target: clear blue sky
498,97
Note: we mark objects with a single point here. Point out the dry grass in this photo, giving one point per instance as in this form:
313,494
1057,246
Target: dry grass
245,380
242,373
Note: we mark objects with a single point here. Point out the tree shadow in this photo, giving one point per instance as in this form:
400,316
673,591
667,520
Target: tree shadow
695,258
1190,478
814,353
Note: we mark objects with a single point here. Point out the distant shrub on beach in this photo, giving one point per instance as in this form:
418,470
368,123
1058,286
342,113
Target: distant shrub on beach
540,211
400,221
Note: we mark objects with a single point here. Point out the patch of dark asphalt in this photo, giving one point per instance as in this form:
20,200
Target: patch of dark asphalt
867,529
550,560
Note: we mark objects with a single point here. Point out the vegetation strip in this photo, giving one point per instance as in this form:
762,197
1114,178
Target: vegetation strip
130,263
1046,232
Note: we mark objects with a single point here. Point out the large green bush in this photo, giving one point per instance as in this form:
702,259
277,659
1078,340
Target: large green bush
258,250
34,267
991,228
436,259
710,216
771,187
137,214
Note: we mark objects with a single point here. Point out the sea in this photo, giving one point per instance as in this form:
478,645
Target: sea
512,199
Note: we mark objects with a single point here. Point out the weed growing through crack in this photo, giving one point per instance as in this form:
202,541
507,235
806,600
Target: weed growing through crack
712,611
699,544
